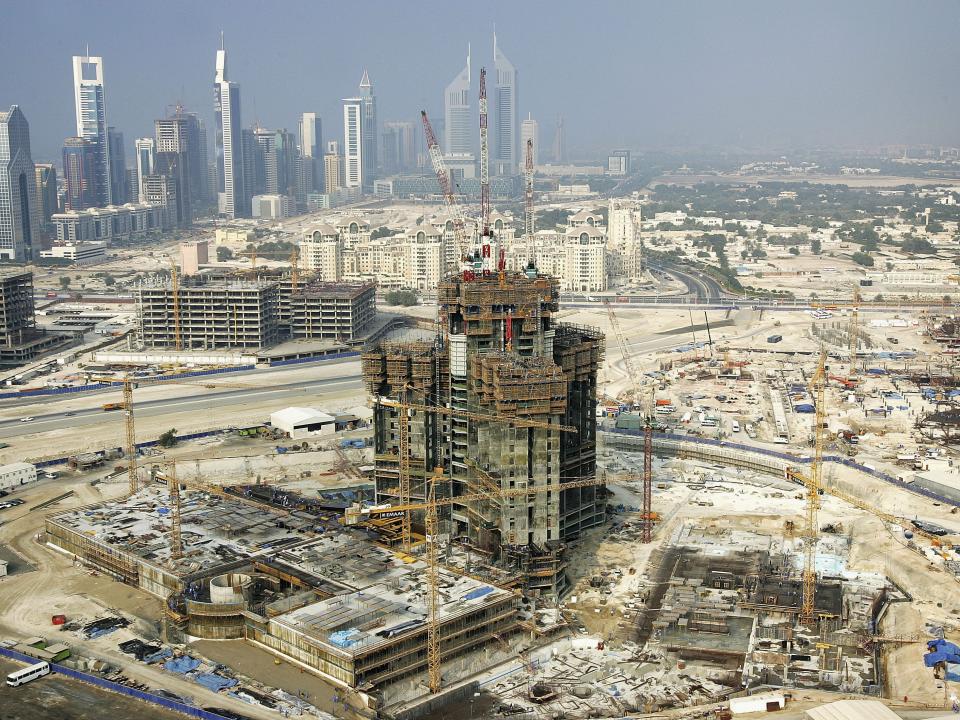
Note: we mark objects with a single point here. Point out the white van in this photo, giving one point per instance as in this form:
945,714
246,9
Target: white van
21,677
736,426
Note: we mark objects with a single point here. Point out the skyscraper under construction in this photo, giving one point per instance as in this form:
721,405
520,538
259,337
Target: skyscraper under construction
499,354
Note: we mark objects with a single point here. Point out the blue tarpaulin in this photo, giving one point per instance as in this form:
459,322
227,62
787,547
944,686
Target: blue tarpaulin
182,665
941,651
804,408
214,682
478,593
162,654
953,673
344,638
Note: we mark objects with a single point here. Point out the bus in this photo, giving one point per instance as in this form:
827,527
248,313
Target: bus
27,674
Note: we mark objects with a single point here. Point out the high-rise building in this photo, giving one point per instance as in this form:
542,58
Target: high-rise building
275,166
353,146
79,173
196,149
459,123
504,354
161,190
618,162
506,124
311,154
174,159
398,147
145,155
118,167
369,133
331,171
232,197
560,142
91,109
20,212
49,201
529,130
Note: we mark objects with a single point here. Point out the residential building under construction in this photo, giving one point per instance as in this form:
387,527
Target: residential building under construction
500,355
210,313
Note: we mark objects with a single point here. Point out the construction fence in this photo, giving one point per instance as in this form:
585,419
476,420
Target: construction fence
180,707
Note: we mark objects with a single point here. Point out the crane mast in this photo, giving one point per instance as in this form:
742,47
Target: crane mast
175,289
484,156
528,217
131,448
813,484
443,177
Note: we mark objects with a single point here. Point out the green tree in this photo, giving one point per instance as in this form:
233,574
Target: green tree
918,245
224,254
109,281
794,251
816,247
861,258
168,439
405,298
64,282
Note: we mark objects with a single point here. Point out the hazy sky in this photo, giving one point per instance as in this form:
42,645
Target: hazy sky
640,74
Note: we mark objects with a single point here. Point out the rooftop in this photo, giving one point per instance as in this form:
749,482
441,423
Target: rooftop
215,529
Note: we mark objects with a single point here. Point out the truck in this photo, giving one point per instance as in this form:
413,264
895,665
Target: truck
107,407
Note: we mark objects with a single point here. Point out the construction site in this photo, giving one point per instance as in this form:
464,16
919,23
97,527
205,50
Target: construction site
554,512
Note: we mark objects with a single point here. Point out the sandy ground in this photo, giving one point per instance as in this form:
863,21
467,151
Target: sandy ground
58,586
56,696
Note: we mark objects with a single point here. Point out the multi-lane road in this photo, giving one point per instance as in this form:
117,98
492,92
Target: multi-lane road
269,399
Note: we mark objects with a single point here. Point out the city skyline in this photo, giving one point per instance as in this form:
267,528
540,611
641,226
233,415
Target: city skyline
672,75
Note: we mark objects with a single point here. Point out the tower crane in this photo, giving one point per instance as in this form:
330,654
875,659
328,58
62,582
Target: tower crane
294,268
484,157
175,290
131,446
636,387
813,481
443,177
854,329
173,488
528,216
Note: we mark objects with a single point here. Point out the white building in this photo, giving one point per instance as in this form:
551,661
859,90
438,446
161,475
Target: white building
423,258
17,474
353,143
301,422
80,253
273,206
321,250
585,255
145,158
506,121
109,223
624,220
91,110
458,127
231,188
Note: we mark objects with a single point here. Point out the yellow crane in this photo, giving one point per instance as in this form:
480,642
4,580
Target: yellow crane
131,447
813,482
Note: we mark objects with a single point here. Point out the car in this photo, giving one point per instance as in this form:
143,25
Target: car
71,413
26,419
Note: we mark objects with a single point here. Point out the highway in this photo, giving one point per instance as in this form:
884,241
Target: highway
268,398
